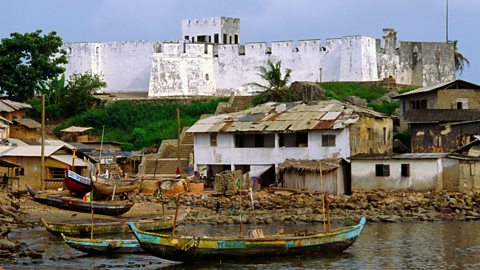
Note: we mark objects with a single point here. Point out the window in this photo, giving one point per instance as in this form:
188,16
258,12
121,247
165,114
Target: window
19,171
206,77
213,139
187,37
459,105
328,140
230,39
405,170
254,140
418,104
236,39
215,38
224,38
382,170
293,139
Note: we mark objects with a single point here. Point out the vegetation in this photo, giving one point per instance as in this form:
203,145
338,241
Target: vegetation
65,99
341,90
28,59
140,124
277,89
460,59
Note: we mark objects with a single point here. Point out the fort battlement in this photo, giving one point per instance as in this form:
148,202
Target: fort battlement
209,58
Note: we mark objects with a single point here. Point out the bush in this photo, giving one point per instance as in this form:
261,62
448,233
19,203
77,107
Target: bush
341,90
140,124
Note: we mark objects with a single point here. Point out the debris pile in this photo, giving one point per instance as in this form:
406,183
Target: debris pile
226,182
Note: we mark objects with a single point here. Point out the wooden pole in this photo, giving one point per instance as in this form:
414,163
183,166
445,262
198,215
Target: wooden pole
178,139
42,162
91,206
176,214
241,221
323,198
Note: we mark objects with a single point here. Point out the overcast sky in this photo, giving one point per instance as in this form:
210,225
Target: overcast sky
261,20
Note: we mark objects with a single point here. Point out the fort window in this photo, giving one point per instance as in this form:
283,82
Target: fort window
293,139
187,38
224,38
215,38
236,39
382,170
230,39
405,170
213,139
328,140
193,39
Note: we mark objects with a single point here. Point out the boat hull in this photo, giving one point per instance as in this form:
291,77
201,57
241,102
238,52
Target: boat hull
188,249
108,190
78,205
114,227
76,183
95,246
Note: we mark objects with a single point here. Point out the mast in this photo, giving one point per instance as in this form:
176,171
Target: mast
178,141
42,162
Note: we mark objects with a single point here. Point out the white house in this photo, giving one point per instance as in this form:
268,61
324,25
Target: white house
258,139
410,171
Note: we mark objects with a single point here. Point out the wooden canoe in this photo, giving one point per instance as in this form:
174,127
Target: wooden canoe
95,246
75,204
111,227
192,248
108,190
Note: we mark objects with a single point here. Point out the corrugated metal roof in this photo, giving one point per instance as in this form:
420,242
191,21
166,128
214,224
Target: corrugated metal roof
440,115
294,116
443,85
67,159
16,105
31,150
399,156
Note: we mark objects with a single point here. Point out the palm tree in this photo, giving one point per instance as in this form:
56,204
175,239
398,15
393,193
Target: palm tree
459,58
277,89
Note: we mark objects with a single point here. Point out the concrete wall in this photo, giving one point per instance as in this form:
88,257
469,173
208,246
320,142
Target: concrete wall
125,65
469,175
447,98
425,174
371,135
226,153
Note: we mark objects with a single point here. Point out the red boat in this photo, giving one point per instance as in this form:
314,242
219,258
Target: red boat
76,183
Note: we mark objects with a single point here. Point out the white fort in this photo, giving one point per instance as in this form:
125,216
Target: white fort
209,60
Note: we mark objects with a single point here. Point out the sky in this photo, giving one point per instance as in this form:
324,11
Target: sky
261,20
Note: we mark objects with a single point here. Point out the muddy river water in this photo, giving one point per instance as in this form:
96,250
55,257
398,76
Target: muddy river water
437,245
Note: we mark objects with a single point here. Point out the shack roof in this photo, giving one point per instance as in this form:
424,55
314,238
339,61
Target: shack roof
302,165
440,115
286,117
30,150
27,122
7,105
454,84
74,129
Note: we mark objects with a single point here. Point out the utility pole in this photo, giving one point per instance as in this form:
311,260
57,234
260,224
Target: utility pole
178,141
446,24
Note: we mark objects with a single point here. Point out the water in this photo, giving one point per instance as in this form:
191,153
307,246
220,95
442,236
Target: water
441,245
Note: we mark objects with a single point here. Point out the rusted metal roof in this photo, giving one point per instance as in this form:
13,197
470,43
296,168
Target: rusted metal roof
398,156
285,117
440,115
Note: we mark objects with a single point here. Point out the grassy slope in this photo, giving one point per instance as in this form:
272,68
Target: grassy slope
139,124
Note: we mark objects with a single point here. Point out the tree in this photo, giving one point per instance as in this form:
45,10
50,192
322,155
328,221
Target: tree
460,59
64,99
277,89
80,88
28,59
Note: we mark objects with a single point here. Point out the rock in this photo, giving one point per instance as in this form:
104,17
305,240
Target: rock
358,101
6,244
307,91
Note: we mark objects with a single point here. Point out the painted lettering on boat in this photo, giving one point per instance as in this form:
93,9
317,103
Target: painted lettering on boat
230,244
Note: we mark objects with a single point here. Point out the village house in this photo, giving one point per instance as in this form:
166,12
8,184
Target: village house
14,121
441,118
468,157
409,171
27,158
258,140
